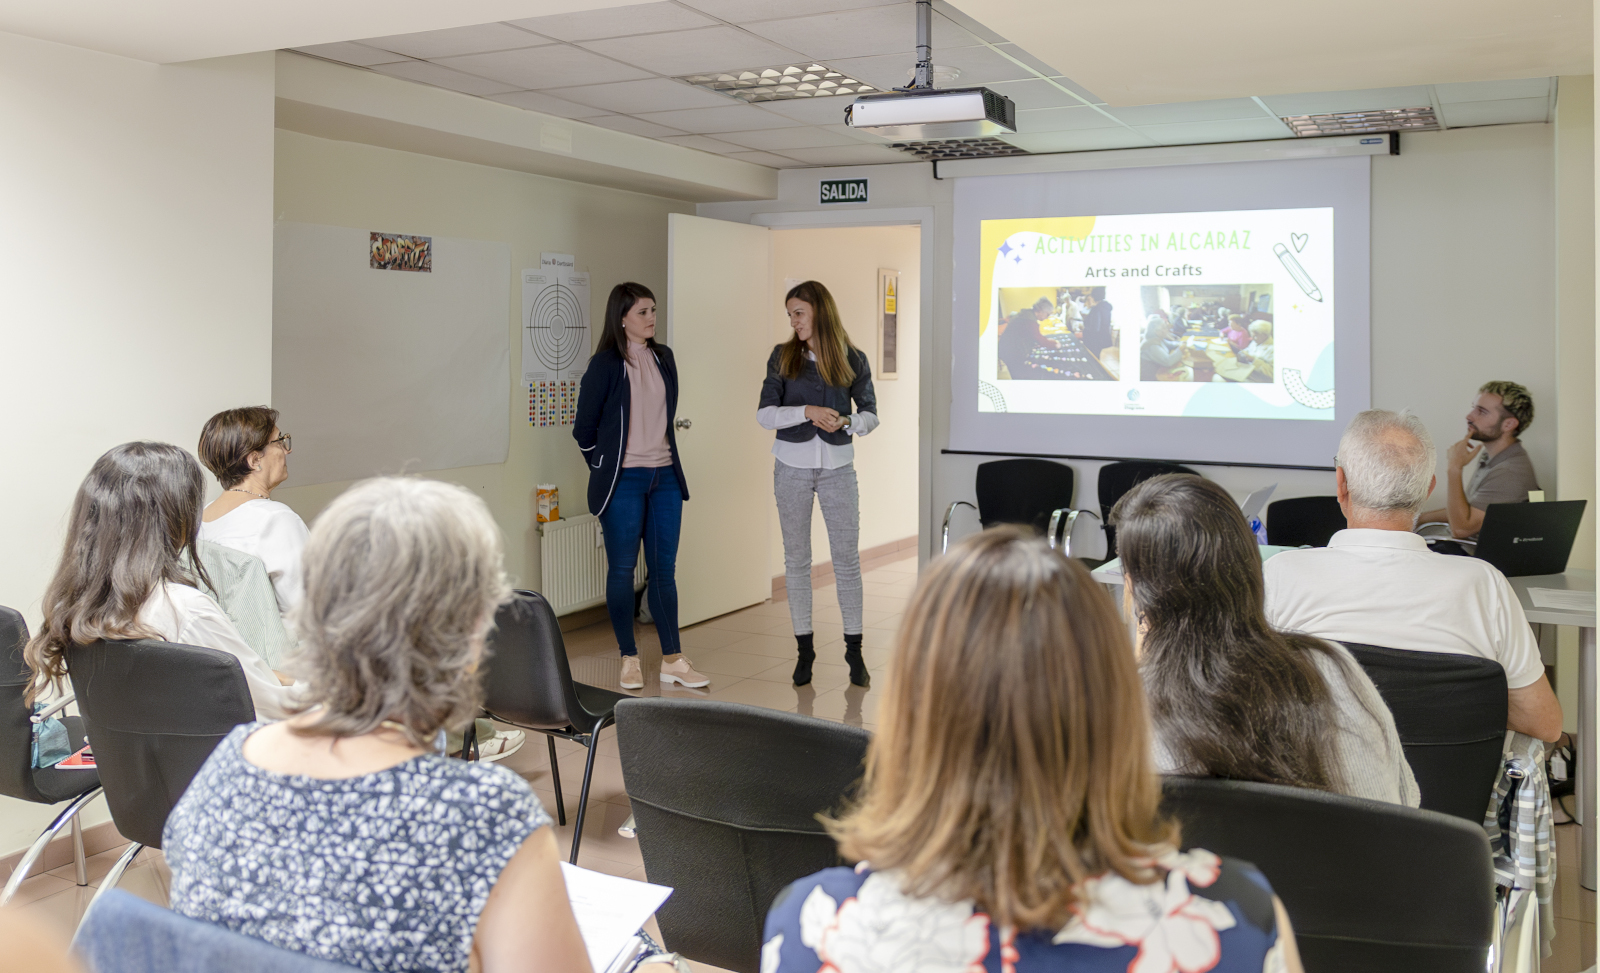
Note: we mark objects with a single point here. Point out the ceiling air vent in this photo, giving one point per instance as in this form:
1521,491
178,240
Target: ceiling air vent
1364,122
945,149
781,83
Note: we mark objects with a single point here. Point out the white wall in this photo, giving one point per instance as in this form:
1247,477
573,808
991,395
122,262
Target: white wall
846,261
135,280
616,235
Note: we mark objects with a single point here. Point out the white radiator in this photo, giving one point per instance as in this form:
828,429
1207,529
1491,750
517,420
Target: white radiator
572,561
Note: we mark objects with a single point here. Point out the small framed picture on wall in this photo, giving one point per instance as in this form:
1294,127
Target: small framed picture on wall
888,324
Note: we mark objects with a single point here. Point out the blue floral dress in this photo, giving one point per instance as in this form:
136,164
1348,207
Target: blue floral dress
1208,914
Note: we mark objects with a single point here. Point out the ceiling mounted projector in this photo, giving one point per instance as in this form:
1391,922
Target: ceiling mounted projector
921,112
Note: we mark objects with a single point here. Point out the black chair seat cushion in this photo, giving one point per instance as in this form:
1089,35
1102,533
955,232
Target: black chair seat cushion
597,704
63,785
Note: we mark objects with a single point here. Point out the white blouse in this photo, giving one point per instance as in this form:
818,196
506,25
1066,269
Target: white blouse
272,532
188,616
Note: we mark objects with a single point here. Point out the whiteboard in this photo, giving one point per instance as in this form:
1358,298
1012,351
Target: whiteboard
388,371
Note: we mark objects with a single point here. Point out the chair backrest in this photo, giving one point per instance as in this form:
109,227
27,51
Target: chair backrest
1300,521
1368,886
153,712
123,933
1022,491
1116,479
726,798
16,732
1450,711
528,679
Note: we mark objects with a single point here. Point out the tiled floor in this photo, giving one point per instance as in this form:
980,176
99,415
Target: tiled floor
749,656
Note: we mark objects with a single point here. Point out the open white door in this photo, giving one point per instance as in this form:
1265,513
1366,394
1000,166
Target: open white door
719,327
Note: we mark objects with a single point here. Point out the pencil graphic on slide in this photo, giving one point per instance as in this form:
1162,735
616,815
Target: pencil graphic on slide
1298,272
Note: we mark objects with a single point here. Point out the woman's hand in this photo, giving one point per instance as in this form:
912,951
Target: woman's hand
824,418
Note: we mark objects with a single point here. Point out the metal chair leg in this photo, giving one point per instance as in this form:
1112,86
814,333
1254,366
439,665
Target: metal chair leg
555,778
79,859
583,795
68,814
115,875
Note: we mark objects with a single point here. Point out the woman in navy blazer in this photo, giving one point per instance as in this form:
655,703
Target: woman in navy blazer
626,405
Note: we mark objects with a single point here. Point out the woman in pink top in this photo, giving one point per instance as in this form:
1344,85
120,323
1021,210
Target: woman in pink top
626,405
1237,334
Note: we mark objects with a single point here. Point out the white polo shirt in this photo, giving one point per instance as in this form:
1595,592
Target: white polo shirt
1384,587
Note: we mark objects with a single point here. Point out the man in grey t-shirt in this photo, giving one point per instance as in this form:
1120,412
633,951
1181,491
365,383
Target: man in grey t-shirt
1499,416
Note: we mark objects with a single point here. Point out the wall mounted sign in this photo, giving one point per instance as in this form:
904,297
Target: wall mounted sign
888,324
844,191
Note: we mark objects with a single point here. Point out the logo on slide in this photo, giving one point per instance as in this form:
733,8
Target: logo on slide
1133,395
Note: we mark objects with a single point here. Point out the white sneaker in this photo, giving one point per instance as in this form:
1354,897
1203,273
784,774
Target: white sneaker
632,676
681,672
504,743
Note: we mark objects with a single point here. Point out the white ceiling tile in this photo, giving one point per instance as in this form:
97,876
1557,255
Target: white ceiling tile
1036,93
863,32
978,66
650,94
642,18
1191,111
1062,60
633,126
1062,120
783,139
766,159
539,101
349,52
704,143
556,66
458,40
849,155
710,121
1492,90
812,111
429,73
1328,102
962,19
1225,130
746,11
1086,140
720,48
1507,112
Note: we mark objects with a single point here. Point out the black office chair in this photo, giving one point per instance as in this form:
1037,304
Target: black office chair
19,778
726,798
1450,711
529,684
154,711
1035,492
1116,479
1368,886
1300,521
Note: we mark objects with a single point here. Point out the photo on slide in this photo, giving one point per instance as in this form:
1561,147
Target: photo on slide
1207,333
1056,334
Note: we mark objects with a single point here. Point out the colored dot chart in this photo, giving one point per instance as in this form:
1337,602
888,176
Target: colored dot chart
552,403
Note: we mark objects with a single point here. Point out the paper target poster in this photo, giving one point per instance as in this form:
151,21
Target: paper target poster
555,320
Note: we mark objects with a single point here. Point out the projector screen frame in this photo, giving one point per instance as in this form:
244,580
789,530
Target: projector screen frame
1340,183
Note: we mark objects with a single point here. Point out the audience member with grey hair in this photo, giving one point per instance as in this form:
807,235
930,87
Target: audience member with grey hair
340,833
1376,583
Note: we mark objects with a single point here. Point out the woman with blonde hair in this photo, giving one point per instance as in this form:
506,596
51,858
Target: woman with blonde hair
1009,815
812,379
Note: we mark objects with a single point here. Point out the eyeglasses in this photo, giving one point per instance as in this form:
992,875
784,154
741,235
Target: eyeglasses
287,440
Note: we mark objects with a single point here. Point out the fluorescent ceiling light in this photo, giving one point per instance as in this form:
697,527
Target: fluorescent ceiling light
1364,122
781,83
939,151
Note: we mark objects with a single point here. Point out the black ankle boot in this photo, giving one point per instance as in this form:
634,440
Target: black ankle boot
808,655
852,658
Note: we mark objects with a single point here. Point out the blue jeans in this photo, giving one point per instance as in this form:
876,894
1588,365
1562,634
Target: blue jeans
648,506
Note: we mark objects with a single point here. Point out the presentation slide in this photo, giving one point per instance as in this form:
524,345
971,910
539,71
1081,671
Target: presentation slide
1205,313
1223,315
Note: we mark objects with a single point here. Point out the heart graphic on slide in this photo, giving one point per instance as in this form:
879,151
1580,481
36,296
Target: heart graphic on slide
1299,241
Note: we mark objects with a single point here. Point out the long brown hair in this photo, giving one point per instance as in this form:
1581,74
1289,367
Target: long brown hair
1231,696
833,342
134,524
1013,758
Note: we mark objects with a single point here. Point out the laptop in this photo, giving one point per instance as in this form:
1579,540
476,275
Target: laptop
1530,538
1256,502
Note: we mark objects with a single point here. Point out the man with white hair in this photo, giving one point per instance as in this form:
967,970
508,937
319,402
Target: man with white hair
1377,583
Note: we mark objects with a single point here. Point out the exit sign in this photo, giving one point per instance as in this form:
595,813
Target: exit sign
844,190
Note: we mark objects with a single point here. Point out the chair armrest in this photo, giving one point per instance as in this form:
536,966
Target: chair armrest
944,540
53,708
1060,531
1445,525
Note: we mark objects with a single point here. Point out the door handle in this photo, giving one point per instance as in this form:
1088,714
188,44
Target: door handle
683,424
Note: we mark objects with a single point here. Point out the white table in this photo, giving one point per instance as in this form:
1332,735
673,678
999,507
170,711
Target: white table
1584,622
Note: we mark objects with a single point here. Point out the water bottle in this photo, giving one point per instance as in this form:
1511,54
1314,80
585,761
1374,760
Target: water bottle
1259,529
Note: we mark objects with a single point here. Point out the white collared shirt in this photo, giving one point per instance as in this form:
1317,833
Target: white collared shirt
1384,587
